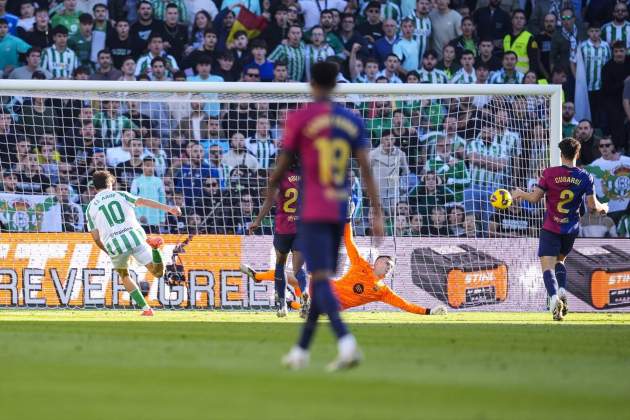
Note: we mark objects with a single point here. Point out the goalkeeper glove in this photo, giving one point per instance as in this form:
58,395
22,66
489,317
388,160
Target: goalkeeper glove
438,310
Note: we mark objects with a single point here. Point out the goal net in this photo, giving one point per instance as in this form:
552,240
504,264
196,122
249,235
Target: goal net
438,153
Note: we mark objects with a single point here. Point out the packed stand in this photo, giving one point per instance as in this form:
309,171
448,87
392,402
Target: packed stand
436,161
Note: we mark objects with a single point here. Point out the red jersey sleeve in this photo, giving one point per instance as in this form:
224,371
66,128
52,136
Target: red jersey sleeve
291,134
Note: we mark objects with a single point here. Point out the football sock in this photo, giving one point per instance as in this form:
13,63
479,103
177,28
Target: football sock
294,305
328,304
265,275
550,283
137,297
280,282
157,256
309,327
561,276
301,278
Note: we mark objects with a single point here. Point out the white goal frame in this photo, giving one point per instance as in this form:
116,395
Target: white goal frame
430,90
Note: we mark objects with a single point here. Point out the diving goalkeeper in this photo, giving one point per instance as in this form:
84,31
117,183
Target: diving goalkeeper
363,283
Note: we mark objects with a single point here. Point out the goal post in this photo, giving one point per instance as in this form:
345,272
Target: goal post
438,151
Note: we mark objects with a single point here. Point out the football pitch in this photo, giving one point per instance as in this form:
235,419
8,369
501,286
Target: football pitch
225,365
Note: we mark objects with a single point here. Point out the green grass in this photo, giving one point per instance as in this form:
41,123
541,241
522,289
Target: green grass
225,365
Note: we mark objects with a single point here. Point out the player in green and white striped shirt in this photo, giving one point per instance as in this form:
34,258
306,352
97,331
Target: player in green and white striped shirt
619,28
467,73
58,59
423,24
112,221
595,54
293,53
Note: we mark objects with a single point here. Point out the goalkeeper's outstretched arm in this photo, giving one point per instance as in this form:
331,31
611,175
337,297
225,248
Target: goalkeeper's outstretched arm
393,299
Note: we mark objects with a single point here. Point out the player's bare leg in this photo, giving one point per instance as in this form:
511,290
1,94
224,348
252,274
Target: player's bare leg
157,266
561,276
134,292
551,284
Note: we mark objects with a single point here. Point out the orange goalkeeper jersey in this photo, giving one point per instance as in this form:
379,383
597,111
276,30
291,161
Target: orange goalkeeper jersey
360,285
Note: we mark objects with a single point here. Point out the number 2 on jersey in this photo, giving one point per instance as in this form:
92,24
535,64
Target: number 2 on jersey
333,160
291,196
566,196
113,213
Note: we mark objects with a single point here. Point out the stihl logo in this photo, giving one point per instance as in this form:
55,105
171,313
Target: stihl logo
619,278
479,277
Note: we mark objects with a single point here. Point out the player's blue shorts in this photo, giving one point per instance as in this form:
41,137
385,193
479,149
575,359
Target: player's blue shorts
284,242
553,244
320,244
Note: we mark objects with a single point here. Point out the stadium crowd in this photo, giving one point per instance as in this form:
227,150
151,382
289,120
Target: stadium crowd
436,160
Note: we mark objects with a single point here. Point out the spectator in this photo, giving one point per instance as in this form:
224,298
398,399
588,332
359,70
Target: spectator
293,53
49,157
467,40
449,63
156,49
40,34
245,215
416,225
446,25
384,45
407,48
512,222
81,41
564,44
227,69
105,70
262,146
31,178
488,165
315,8
595,225
619,28
614,74
522,43
9,182
177,224
318,50
153,149
595,54
189,178
349,36
612,183
437,222
220,169
487,57
27,17
68,17
260,62
33,64
451,170
456,218
466,74
405,137
543,39
238,154
58,59
423,27
151,187
37,117
11,19
175,34
11,47
590,142
428,194
569,123
120,44
111,122
492,22
130,166
144,27
388,163
508,73
372,27
279,27
101,19
392,66
201,22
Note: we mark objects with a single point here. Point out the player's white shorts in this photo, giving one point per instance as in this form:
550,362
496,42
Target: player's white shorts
142,254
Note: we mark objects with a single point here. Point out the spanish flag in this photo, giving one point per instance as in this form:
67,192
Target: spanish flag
249,22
